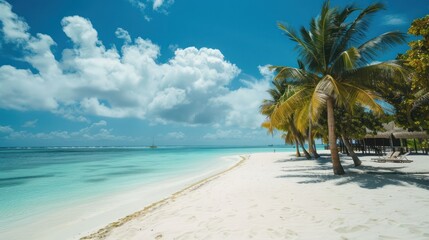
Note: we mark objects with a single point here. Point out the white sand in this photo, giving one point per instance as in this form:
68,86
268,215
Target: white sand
270,196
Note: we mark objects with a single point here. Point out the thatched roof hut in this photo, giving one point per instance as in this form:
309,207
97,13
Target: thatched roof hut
397,132
393,136
411,135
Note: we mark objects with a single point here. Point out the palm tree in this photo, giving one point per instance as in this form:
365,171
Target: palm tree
291,139
337,73
280,91
311,143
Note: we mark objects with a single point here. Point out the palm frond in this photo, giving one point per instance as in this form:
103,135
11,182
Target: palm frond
288,137
303,47
354,31
323,31
422,99
373,75
267,124
302,117
347,60
372,47
359,26
286,108
365,97
283,73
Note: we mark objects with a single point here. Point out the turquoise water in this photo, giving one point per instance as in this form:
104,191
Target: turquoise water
34,179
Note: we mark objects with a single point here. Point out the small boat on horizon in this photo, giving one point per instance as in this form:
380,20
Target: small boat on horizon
153,143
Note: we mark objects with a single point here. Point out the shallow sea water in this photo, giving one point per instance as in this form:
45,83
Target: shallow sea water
39,180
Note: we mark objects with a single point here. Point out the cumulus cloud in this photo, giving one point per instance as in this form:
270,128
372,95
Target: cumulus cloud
90,79
229,134
123,34
5,129
95,131
157,6
395,20
244,102
30,124
224,134
175,135
14,28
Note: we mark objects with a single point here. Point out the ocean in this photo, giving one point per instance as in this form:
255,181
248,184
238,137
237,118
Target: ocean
39,183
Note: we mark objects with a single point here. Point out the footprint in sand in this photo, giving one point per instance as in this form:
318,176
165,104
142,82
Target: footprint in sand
351,229
274,234
336,222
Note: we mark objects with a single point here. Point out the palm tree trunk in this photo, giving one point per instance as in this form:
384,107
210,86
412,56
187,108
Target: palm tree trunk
307,155
316,155
299,137
352,153
298,154
310,143
336,164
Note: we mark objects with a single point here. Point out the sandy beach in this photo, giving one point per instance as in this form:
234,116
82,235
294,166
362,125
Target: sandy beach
279,196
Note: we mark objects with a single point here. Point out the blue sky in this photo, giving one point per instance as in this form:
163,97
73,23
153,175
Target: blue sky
121,72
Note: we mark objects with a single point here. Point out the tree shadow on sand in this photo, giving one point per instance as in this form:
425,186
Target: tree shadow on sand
319,161
369,177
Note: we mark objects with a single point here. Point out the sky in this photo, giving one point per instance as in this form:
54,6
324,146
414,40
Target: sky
124,72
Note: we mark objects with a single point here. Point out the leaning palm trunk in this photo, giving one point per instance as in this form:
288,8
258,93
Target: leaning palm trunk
299,137
336,164
312,148
352,153
298,154
311,142
315,154
307,155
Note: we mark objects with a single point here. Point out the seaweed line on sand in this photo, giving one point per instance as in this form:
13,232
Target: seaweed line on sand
104,232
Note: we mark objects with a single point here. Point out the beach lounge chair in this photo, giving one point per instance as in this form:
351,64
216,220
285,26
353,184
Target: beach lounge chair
388,155
404,158
395,158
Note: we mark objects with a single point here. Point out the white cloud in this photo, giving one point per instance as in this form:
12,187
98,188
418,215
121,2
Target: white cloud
162,5
30,124
5,129
224,134
14,28
245,101
157,6
123,34
234,134
94,132
137,3
175,135
395,20
90,79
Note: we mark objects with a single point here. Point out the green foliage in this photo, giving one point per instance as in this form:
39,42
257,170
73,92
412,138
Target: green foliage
411,98
418,55
333,65
355,124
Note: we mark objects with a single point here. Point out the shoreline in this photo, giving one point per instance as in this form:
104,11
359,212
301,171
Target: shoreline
101,233
277,196
83,216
